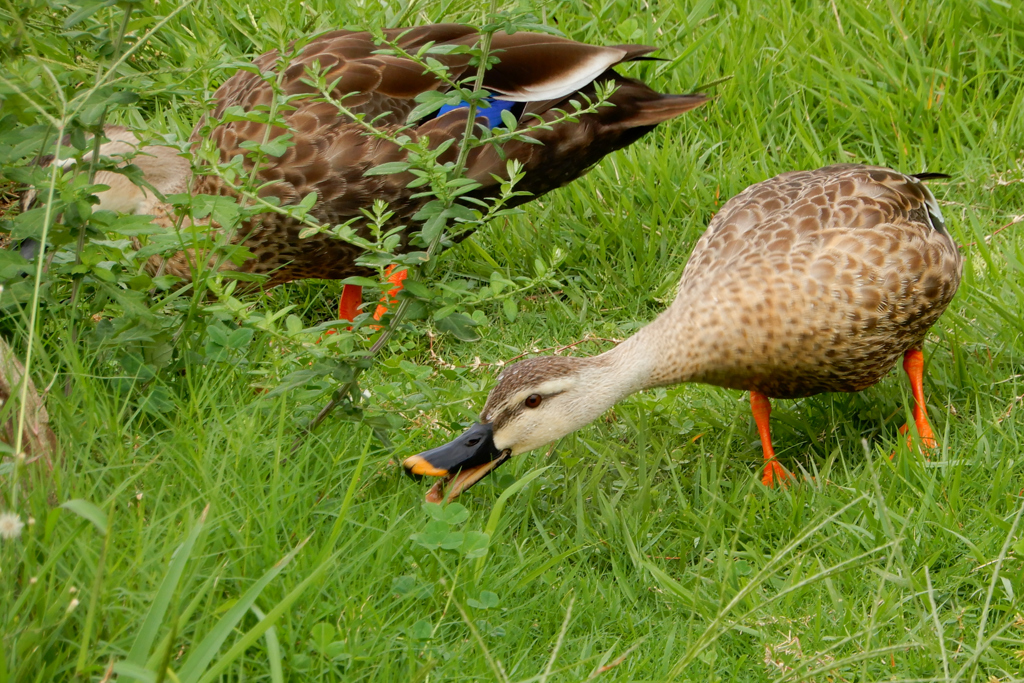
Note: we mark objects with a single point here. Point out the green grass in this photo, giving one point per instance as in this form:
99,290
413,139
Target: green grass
644,549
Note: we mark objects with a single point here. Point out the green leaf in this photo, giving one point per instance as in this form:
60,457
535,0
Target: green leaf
389,168
360,281
155,616
29,224
429,102
407,586
218,335
453,540
12,264
456,513
462,212
336,651
511,309
122,97
417,289
421,630
475,544
164,282
293,380
240,338
539,267
137,367
487,600
128,225
89,513
432,227
223,210
403,585
508,120
158,401
140,282
273,148
435,510
433,534
452,514
101,273
322,635
460,325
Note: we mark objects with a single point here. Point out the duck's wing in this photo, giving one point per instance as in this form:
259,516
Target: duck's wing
819,280
330,155
845,209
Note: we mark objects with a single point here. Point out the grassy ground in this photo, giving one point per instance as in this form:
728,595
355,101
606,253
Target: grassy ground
643,548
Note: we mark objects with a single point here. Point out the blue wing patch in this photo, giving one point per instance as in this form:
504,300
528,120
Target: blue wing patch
492,112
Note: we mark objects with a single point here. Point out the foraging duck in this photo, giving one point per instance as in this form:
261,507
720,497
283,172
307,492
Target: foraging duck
809,282
536,76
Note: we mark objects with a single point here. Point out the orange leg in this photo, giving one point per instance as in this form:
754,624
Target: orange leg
348,306
913,365
396,278
761,406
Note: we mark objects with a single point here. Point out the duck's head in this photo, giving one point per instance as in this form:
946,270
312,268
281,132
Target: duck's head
161,168
535,402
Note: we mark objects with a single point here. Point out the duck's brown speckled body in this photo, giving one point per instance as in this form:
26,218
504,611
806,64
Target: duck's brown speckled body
809,282
331,153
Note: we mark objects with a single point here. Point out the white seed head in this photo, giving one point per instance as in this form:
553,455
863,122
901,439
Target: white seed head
10,526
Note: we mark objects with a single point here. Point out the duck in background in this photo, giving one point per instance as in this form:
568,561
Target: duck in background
536,76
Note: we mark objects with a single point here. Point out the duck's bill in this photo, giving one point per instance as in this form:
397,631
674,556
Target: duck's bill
460,463
453,485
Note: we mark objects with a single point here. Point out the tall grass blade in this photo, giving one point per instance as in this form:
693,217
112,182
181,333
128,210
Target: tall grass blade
499,507
266,623
204,652
89,512
155,617
273,649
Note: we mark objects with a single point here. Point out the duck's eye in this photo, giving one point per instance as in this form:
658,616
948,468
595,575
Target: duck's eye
533,400
474,441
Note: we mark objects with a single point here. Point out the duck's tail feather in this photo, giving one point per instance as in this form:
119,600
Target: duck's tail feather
653,112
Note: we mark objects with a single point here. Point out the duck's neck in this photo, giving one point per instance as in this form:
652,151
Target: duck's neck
615,374
650,358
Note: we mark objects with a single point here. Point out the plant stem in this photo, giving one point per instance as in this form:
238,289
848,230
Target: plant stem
399,314
19,456
76,286
94,599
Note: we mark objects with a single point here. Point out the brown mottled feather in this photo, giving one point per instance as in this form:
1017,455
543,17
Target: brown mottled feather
810,282
331,155
813,281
